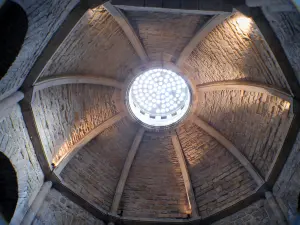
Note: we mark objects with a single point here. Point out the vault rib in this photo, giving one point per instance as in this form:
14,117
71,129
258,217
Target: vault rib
79,145
200,35
130,157
185,174
56,80
128,30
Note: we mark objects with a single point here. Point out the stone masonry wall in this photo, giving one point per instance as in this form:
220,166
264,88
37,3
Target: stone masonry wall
255,123
16,145
65,114
44,18
164,35
234,50
95,171
154,187
287,28
58,210
96,46
218,179
287,187
255,214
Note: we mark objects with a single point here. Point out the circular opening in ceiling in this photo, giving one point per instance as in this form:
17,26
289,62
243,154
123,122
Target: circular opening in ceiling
159,97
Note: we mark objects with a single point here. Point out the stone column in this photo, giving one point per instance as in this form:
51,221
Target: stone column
275,208
35,206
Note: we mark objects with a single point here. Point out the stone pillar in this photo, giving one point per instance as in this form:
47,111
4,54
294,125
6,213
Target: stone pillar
35,206
275,208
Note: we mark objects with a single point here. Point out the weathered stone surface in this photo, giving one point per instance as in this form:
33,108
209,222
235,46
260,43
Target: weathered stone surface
218,179
287,28
95,171
255,214
155,186
234,50
16,145
65,114
96,46
287,187
255,123
164,35
44,18
59,210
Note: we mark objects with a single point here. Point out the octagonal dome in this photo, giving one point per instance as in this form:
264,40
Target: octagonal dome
237,109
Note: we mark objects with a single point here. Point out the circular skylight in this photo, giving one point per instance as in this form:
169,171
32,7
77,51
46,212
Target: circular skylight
159,97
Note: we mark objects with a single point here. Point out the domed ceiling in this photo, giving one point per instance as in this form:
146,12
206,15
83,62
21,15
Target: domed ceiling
222,152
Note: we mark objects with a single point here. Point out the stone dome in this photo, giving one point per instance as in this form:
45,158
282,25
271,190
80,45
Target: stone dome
227,144
220,156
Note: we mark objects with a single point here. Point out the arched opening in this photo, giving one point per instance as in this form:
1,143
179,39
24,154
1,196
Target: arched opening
8,188
13,28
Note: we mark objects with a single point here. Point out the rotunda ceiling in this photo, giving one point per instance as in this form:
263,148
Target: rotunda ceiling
218,154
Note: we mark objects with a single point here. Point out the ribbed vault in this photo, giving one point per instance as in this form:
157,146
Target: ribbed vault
218,178
95,171
97,37
234,50
66,113
164,36
91,140
254,122
155,170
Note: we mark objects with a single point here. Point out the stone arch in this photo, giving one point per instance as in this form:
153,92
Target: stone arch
14,24
8,188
